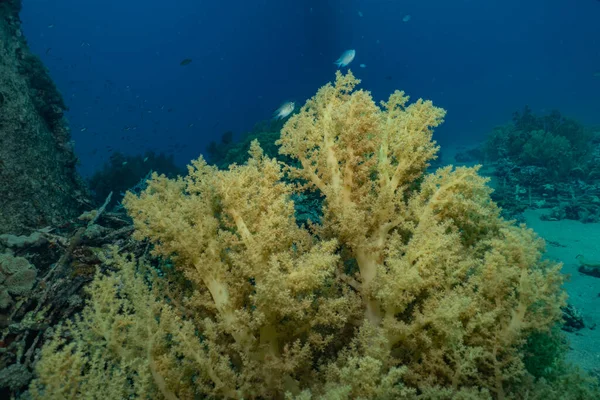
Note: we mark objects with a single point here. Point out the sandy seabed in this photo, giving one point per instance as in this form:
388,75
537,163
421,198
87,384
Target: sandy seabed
566,239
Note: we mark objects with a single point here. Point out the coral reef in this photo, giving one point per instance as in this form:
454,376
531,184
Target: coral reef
38,182
229,151
42,276
17,277
543,162
122,172
410,286
557,144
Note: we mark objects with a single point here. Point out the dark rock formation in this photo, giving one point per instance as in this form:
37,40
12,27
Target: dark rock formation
39,185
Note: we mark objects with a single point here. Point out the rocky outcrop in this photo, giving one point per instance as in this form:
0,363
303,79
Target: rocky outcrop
39,185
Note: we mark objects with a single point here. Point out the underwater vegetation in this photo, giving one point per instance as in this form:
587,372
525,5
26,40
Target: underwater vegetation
42,281
547,161
559,147
411,285
229,151
122,172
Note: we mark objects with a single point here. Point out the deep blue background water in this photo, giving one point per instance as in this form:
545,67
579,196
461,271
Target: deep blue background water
117,62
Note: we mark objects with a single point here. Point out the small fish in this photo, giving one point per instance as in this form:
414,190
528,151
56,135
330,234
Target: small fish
363,65
83,129
145,159
185,61
346,58
406,18
124,163
597,73
360,14
284,110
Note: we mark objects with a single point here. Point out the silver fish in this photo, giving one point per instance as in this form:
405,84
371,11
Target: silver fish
284,110
346,58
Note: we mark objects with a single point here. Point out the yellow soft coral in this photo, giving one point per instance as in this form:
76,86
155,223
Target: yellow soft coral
411,285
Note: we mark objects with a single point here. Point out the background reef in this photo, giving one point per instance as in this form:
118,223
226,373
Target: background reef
548,162
125,172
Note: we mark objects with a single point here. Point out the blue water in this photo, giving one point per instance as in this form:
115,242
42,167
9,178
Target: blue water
117,63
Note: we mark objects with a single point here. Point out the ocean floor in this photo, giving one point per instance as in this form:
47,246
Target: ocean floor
566,239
